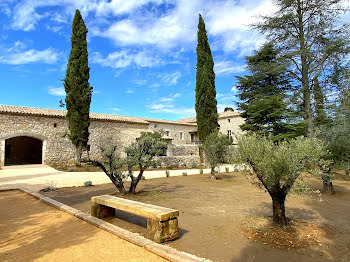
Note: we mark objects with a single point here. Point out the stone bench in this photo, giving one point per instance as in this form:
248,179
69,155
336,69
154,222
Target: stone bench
162,222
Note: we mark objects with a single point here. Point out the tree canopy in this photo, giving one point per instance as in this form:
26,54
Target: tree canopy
279,166
77,87
311,36
206,111
263,94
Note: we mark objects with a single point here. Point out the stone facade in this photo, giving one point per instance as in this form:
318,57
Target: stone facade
50,126
229,123
51,130
179,133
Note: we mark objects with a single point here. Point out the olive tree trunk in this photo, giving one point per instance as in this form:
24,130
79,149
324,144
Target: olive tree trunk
135,181
212,173
279,211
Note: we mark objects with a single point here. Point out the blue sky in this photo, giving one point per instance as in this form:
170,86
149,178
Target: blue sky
141,52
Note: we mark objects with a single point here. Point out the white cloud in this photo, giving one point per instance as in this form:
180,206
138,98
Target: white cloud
140,82
116,109
125,58
227,68
161,24
224,97
180,112
170,78
17,57
170,98
56,91
166,105
129,91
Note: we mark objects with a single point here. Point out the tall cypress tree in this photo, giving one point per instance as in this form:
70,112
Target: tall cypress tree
77,87
207,117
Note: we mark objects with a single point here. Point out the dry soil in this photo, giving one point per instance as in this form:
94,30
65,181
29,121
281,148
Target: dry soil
33,231
213,215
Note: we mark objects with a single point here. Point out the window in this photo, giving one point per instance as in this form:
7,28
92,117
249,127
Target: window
229,120
229,133
164,152
167,133
181,135
88,147
55,125
154,125
192,137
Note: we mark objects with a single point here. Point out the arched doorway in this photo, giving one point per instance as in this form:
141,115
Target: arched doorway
23,150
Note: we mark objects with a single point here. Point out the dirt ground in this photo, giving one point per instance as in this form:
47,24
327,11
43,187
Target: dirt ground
33,231
214,215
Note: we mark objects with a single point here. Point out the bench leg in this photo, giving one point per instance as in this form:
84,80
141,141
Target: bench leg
101,211
161,231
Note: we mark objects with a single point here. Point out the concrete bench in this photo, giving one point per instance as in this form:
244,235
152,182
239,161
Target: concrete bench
162,222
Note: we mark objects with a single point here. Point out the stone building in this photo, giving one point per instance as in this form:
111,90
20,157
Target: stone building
35,136
228,121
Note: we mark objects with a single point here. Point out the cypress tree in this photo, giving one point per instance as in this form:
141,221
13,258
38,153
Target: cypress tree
206,111
77,87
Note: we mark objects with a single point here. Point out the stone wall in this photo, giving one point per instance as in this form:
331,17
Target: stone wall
51,130
180,156
183,150
231,123
179,161
174,131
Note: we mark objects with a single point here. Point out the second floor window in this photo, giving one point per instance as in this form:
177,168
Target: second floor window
167,133
181,135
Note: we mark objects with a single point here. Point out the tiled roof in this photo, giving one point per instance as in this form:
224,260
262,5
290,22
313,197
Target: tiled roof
151,120
21,110
221,115
229,114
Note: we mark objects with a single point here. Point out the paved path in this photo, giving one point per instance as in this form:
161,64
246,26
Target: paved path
36,177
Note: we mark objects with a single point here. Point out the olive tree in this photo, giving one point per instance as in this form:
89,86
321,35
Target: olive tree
142,154
216,150
111,165
277,167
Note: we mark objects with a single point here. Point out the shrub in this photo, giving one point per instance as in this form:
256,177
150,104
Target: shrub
227,169
216,149
193,165
70,169
184,173
201,171
88,183
49,186
167,173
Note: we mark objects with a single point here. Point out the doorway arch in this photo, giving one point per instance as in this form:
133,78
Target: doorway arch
23,150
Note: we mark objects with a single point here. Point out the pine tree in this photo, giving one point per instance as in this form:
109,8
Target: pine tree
263,94
77,87
207,117
320,112
311,35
